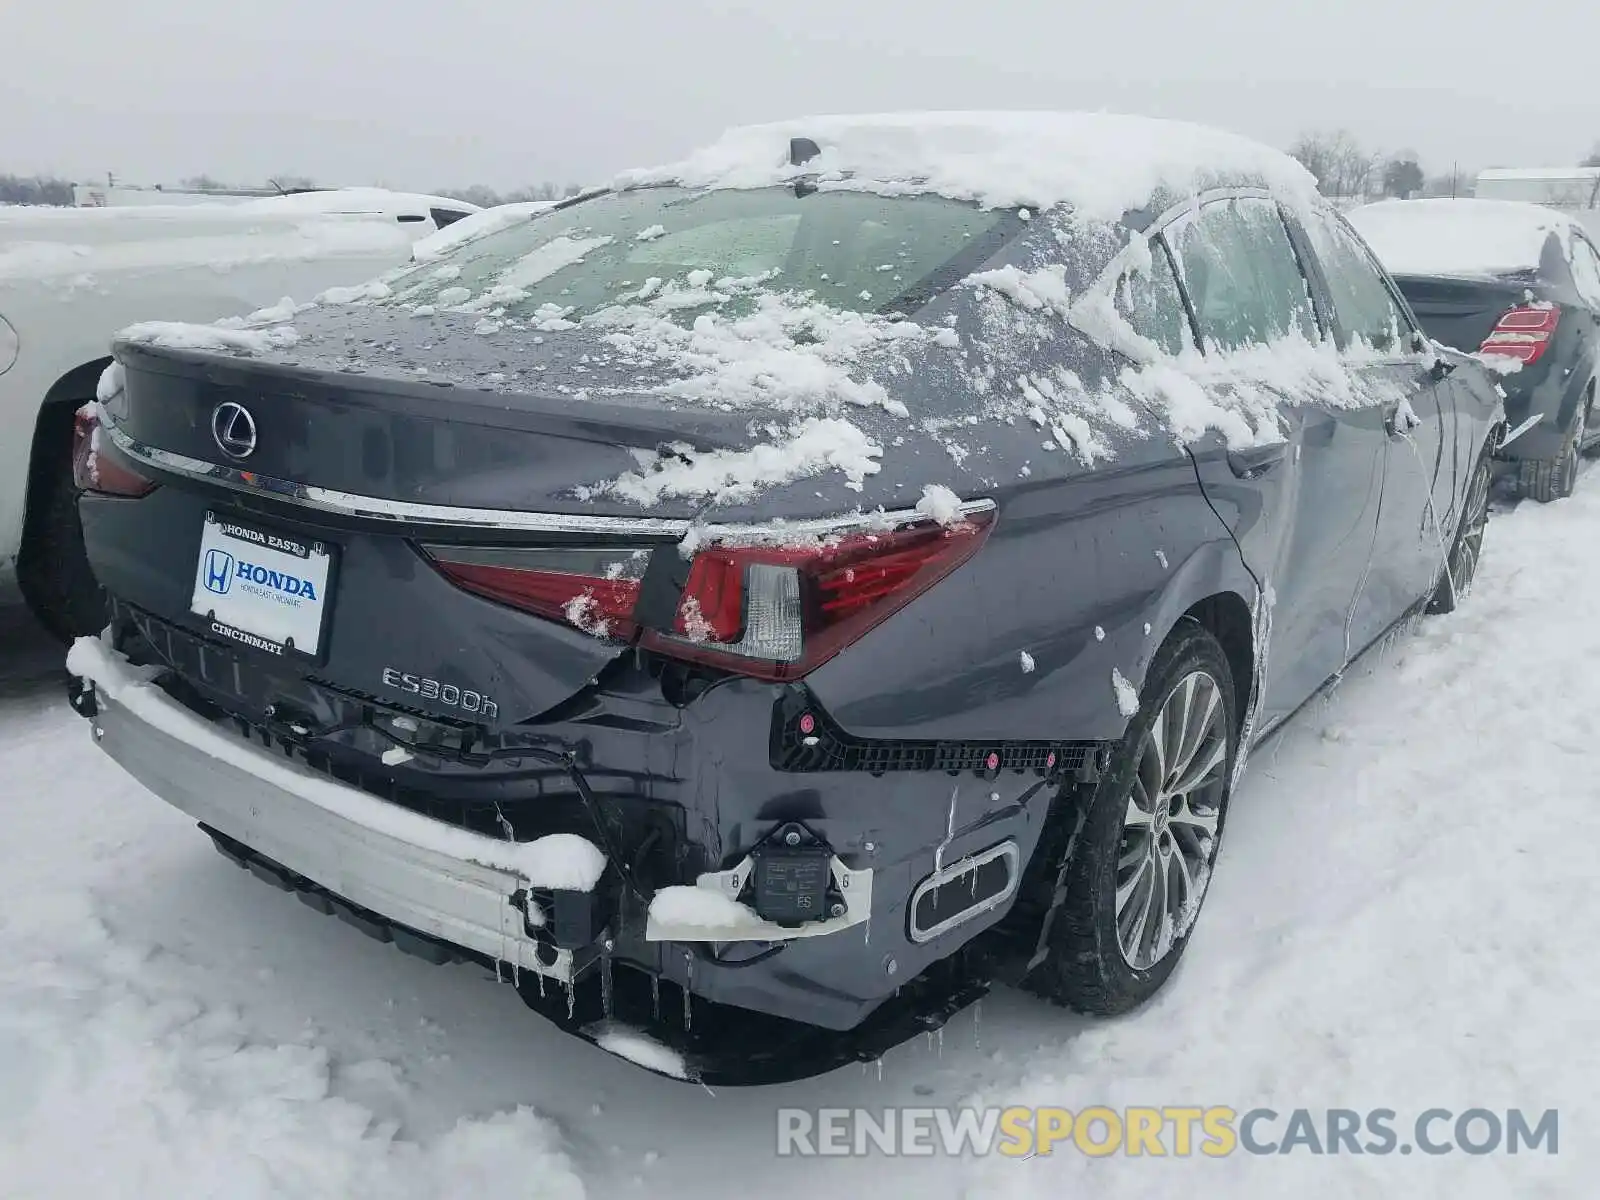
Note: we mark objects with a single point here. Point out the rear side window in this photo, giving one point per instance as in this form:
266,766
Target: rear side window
1242,274
1149,300
1362,302
1586,271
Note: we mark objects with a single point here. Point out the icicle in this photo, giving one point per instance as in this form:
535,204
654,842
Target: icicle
977,1025
688,996
540,975
655,997
499,976
949,830
941,1041
516,971
867,926
880,1069
572,997
605,979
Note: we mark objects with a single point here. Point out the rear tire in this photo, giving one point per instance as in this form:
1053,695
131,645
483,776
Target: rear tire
1547,479
53,569
1139,866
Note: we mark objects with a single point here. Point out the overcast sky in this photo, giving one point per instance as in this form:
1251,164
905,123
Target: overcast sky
431,93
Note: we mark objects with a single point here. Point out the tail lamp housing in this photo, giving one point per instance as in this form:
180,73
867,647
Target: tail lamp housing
778,612
767,610
1523,333
93,470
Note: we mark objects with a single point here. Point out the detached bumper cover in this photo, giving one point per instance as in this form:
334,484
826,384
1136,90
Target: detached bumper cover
427,876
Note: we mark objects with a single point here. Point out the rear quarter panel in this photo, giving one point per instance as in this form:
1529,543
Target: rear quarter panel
1121,553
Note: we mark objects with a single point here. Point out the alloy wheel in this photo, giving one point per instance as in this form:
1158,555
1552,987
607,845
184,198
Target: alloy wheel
1169,830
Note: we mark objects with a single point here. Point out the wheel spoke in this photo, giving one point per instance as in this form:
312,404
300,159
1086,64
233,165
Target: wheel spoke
1138,915
1196,725
1200,820
1139,816
1199,771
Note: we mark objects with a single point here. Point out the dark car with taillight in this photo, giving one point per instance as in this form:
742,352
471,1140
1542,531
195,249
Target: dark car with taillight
760,606
1518,284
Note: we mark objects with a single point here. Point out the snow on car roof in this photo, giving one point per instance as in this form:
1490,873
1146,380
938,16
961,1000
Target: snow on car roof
1102,164
354,200
1457,237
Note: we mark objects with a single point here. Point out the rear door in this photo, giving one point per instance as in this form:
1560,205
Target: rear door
1414,412
1317,502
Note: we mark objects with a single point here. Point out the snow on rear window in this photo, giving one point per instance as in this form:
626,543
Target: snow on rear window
686,252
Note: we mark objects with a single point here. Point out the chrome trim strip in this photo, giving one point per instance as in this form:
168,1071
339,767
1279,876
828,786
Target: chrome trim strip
1007,849
508,520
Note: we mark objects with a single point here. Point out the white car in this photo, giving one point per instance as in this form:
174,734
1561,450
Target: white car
71,277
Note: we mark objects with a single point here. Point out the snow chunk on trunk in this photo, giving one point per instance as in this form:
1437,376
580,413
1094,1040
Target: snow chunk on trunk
179,335
110,384
810,448
372,290
1045,288
940,503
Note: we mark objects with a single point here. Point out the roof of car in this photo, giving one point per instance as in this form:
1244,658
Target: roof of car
1102,164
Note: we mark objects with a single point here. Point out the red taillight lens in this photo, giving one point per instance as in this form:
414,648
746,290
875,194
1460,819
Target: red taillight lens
591,589
93,470
779,612
1523,333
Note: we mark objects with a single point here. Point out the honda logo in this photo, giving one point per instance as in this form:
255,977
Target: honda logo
219,571
233,429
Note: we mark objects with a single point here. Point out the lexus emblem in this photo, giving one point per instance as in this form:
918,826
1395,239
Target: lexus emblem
233,429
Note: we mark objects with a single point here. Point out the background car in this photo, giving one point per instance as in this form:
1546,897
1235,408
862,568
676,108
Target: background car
815,579
1520,284
71,277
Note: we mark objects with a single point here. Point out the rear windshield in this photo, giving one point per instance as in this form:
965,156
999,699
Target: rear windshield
687,251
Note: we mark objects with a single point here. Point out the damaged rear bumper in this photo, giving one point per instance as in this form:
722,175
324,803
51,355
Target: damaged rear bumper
714,1009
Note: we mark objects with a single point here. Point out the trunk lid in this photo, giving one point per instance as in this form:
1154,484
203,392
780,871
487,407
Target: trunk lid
1461,312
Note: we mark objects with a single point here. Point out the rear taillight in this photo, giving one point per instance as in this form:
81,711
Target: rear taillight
591,589
778,612
93,470
1522,333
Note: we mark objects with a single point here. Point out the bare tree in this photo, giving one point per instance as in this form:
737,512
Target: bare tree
1402,175
1593,158
35,189
1336,160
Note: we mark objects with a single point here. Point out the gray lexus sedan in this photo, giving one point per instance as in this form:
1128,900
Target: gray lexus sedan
760,605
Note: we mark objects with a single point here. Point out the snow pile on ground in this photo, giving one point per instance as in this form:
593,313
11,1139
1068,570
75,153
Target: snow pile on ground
1458,237
1102,164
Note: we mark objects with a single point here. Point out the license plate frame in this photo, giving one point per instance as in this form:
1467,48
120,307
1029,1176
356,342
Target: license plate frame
282,598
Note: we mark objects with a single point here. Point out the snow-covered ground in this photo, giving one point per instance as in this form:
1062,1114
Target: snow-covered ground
1401,918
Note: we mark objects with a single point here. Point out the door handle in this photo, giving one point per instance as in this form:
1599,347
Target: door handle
1255,461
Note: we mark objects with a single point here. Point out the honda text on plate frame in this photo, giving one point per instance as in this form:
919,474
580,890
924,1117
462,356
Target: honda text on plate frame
261,589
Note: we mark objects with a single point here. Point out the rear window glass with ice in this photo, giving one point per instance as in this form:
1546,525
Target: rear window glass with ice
689,251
